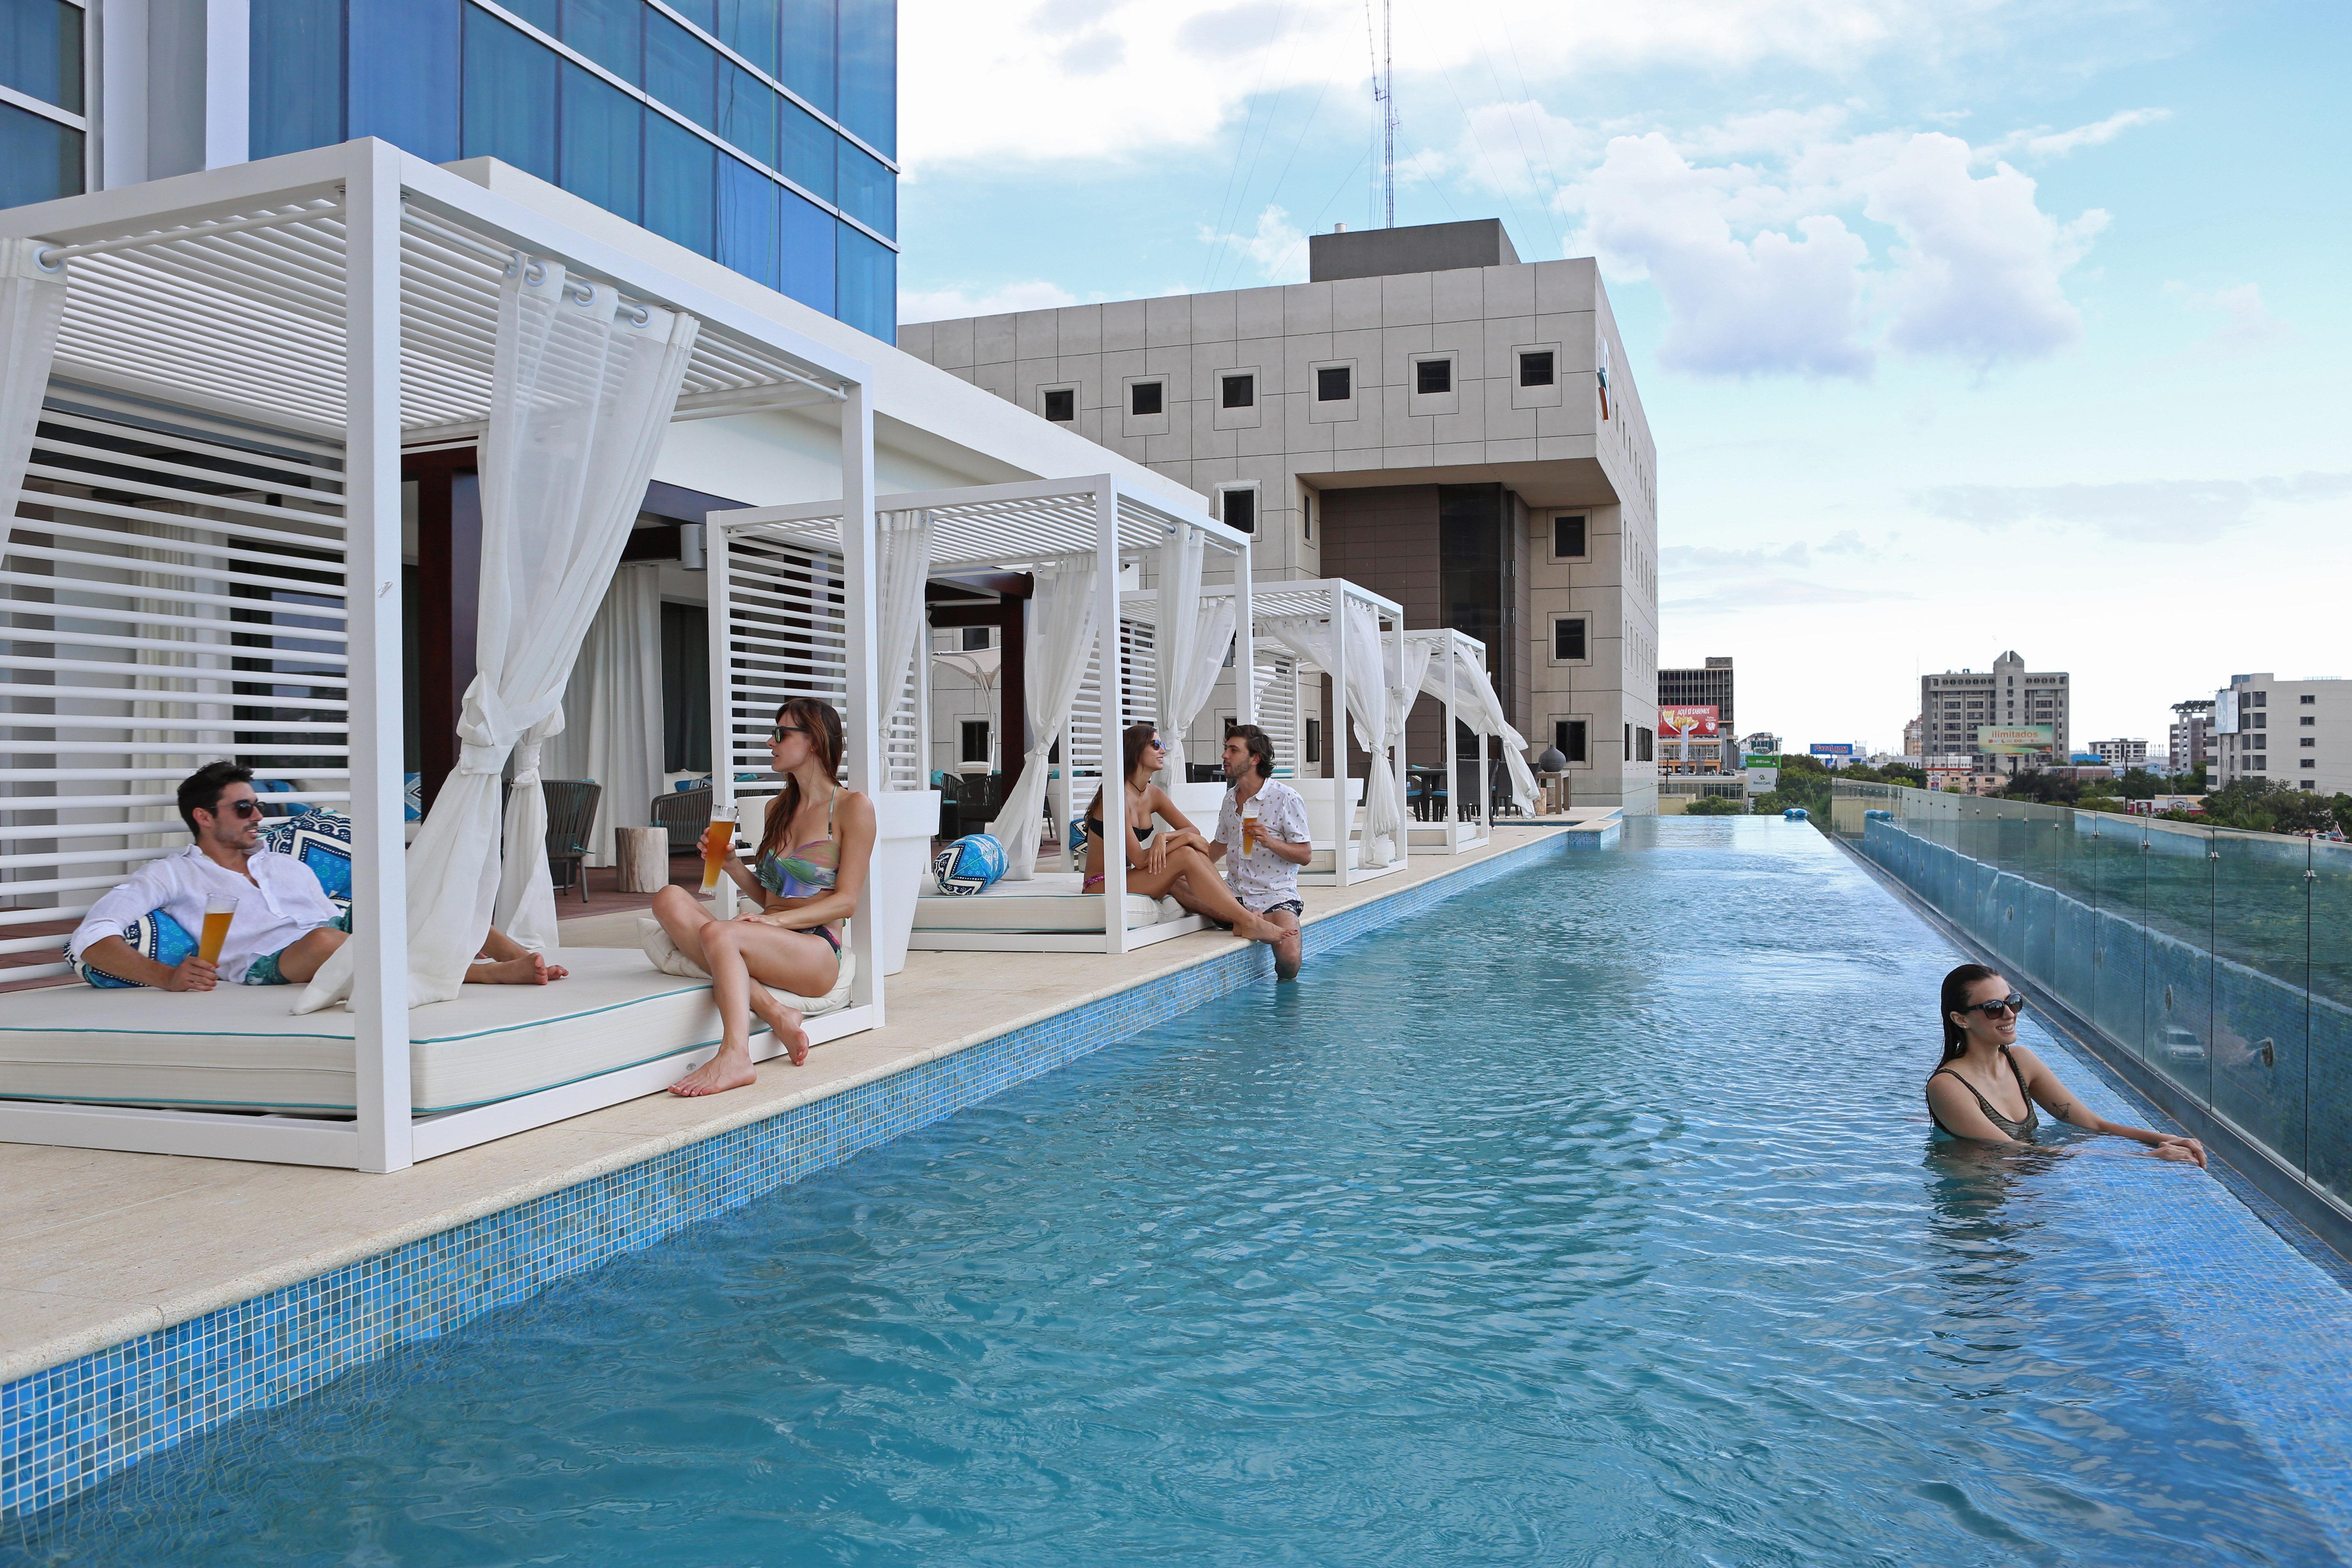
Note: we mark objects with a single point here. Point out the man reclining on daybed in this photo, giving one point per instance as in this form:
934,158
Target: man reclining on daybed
283,925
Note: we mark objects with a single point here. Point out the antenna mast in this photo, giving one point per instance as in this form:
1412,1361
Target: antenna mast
1384,105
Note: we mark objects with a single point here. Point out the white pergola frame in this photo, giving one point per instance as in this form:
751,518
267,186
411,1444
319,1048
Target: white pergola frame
1011,527
327,293
1449,647
1327,597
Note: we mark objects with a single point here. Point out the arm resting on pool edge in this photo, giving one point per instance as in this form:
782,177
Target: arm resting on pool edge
2059,1101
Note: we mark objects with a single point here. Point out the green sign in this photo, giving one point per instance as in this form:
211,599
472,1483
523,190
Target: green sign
1760,760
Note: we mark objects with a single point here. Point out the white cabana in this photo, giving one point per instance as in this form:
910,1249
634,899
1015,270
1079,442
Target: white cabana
1355,636
1071,537
206,560
1452,670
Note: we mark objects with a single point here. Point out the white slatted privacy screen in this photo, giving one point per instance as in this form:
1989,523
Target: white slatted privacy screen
787,636
173,590
1138,697
1277,712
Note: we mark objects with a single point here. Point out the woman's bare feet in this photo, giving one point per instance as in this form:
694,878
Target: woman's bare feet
782,1022
530,969
731,1068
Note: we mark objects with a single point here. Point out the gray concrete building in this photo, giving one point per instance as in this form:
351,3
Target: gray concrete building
1427,416
1956,706
2295,733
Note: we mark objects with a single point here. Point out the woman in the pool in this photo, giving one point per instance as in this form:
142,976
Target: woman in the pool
1986,1085
807,874
1173,862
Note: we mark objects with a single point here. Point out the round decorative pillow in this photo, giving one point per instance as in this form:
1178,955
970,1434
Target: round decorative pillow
970,865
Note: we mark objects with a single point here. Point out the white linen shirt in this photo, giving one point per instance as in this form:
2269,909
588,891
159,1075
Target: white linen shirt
282,902
1262,878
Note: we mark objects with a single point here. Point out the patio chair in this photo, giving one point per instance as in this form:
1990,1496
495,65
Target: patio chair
684,814
570,813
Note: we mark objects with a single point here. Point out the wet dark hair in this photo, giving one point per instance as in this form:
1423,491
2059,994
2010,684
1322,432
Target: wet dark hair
1956,1000
202,790
1260,744
823,726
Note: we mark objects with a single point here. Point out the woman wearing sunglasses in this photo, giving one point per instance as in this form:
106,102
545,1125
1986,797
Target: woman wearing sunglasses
807,874
1986,1085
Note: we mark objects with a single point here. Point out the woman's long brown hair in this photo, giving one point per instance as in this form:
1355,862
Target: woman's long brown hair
1132,739
823,726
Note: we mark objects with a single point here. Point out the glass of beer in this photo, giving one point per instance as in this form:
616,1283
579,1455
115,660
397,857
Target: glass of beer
1249,829
219,910
718,847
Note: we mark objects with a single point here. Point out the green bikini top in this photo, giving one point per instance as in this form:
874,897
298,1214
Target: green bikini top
797,876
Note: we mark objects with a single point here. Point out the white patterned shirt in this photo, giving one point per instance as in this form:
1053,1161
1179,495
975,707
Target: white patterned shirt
1262,879
282,903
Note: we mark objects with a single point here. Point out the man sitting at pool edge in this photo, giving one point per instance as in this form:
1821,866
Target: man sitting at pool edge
284,925
1266,879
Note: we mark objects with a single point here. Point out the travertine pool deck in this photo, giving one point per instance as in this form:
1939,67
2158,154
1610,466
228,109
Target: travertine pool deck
97,1247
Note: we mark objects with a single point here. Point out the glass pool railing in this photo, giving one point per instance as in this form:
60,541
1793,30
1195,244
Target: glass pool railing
2222,961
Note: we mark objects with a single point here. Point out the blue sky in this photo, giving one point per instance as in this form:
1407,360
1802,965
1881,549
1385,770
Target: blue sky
1961,326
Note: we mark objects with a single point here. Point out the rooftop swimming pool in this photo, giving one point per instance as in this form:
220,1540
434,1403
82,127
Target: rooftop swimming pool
1591,1216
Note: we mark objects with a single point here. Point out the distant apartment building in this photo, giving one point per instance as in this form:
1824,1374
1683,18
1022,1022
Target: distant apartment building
1427,415
2121,756
1912,737
2296,732
2192,734
1761,743
1963,710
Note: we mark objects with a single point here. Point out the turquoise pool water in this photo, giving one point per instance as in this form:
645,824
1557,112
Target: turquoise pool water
1590,1217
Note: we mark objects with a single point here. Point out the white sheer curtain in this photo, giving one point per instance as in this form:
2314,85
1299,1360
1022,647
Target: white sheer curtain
1407,664
32,304
1061,633
613,707
1314,639
581,393
1478,706
906,567
1194,633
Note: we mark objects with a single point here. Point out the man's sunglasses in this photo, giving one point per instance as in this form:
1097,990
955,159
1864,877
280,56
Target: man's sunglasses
248,809
2011,1003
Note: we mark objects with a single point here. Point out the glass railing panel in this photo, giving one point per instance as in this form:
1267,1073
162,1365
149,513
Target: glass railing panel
2262,955
2117,1000
2075,960
2327,1052
2178,964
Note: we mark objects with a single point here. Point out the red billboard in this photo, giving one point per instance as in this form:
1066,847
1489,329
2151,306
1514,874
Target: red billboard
1688,723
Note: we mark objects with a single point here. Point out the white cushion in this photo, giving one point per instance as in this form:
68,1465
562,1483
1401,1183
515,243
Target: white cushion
1050,901
239,1047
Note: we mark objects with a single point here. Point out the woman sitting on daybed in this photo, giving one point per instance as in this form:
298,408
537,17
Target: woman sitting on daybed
1170,863
807,874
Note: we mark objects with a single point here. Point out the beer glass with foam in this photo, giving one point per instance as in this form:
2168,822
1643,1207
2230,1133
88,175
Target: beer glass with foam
220,909
717,844
1249,829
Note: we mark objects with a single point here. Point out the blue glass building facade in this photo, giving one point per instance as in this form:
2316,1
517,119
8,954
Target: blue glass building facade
761,134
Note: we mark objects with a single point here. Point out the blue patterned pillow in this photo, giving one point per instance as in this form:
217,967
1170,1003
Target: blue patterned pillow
320,840
412,797
972,864
154,935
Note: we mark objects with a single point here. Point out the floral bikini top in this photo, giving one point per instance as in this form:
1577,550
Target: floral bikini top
799,875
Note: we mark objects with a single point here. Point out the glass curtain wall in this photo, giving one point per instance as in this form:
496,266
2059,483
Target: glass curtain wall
2221,961
757,133
43,151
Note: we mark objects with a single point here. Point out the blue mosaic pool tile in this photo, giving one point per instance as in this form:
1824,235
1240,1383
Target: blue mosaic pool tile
65,1428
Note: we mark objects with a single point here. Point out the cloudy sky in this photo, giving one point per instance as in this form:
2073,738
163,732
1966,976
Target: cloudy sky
1962,325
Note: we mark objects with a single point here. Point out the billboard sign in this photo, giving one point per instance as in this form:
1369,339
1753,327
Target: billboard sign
1689,723
1760,760
2015,740
2225,711
1832,748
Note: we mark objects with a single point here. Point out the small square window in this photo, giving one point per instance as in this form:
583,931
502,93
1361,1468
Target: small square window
1568,734
1240,511
1146,397
975,638
975,740
1331,383
1433,375
1062,406
1568,638
1239,392
1534,369
2308,698
1568,538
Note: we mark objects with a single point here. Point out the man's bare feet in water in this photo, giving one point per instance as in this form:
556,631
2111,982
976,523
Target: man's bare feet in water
530,969
784,1023
731,1068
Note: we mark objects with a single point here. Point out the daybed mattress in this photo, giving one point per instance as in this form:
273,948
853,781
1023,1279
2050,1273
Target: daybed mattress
1049,902
239,1047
